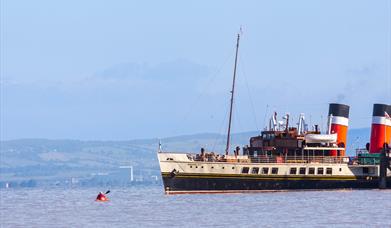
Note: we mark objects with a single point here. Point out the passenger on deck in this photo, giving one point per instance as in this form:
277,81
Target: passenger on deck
237,151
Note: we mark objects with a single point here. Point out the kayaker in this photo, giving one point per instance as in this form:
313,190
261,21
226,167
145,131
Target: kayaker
101,197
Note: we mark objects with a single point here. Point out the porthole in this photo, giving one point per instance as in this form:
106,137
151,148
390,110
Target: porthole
202,167
233,167
191,166
212,167
222,167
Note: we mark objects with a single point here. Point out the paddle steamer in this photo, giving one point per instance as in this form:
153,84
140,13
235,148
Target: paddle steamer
283,157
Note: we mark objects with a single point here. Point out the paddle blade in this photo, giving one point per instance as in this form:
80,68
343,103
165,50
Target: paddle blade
108,191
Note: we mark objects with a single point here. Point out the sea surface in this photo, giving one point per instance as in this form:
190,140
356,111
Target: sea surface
149,207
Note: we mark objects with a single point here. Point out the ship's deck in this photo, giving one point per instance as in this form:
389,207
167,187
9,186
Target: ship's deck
303,159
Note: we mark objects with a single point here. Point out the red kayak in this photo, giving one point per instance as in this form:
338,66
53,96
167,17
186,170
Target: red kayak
101,197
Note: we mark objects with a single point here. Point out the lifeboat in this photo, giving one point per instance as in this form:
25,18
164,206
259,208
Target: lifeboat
321,138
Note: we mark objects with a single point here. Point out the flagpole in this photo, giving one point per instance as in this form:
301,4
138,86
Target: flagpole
160,146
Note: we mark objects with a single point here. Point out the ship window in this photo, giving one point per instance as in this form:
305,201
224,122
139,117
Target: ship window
274,170
293,171
365,170
302,170
255,170
329,171
311,171
233,167
212,167
265,170
191,166
320,171
340,169
202,167
245,169
222,167
196,166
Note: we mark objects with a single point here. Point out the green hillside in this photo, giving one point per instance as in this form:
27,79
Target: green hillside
48,161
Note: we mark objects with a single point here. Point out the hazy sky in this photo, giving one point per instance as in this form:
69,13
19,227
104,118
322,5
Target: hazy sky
136,69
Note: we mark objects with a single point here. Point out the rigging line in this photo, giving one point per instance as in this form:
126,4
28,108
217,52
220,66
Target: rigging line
198,98
236,121
299,104
219,135
248,90
369,117
264,118
389,50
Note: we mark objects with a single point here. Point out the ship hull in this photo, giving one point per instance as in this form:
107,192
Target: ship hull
182,174
220,184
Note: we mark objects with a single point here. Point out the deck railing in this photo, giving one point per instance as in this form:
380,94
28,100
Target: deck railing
277,159
300,159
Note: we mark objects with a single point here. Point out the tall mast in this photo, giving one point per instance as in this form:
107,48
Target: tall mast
232,96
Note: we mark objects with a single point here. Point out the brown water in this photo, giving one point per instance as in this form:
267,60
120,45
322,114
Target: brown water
149,207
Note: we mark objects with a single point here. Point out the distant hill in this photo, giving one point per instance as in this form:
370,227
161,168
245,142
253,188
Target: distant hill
50,160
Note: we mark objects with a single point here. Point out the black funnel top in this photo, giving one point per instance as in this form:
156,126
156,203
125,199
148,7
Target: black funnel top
339,110
380,109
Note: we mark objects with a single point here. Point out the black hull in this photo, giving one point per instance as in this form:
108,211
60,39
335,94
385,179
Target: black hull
205,184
